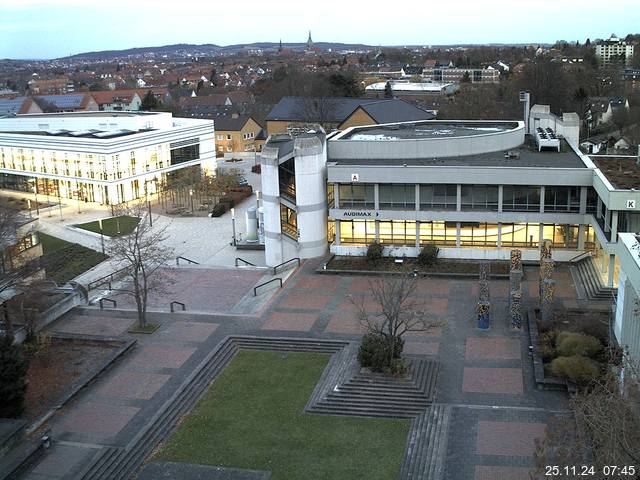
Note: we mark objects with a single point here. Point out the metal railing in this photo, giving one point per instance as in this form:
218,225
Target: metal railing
175,302
583,254
114,304
106,279
188,260
255,289
238,259
296,259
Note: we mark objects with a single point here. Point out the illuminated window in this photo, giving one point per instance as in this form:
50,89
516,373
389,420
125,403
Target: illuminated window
521,235
360,232
397,232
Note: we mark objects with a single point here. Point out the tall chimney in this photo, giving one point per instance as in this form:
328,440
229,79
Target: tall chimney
525,97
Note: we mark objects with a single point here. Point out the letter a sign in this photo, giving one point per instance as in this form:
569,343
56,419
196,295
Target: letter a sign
355,177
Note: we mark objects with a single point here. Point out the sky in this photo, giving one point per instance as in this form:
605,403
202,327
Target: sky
39,29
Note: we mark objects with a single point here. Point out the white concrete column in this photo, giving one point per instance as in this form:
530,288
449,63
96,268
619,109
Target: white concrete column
271,203
376,200
581,236
310,155
418,235
500,197
612,266
614,226
583,200
457,225
336,228
417,196
458,200
499,245
542,193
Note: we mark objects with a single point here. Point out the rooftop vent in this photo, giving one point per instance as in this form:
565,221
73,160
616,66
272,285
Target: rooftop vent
546,138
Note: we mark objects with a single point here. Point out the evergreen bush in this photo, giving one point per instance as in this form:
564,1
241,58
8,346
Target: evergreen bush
573,343
14,367
428,255
576,368
374,252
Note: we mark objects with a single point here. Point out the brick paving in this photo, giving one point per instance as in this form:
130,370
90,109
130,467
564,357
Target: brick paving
492,380
487,377
297,322
492,348
508,438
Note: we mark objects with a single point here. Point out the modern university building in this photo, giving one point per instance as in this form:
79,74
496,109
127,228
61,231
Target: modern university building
104,157
477,189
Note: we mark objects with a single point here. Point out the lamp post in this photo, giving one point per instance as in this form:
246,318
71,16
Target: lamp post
101,235
29,207
191,198
233,225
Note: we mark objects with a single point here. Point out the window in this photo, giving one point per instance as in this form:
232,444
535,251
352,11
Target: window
228,136
220,137
397,232
31,240
229,149
357,196
478,234
516,198
400,196
592,201
287,176
288,222
562,236
521,235
562,199
438,197
360,232
185,154
480,197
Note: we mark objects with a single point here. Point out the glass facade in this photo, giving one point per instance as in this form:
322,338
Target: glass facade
397,233
479,197
288,222
562,199
478,234
357,196
520,198
361,232
400,196
438,197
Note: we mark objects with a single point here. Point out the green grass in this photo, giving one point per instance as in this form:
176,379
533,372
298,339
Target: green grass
252,417
110,225
64,260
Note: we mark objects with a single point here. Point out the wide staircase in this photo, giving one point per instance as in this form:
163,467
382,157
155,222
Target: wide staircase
586,273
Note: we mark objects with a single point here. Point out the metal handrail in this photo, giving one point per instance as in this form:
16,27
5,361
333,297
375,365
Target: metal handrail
113,302
284,263
186,259
175,302
583,254
106,279
238,259
255,289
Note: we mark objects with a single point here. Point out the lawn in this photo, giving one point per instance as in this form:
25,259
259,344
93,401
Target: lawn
110,225
252,417
64,260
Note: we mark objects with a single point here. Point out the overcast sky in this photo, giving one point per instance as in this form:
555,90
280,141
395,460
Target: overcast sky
55,28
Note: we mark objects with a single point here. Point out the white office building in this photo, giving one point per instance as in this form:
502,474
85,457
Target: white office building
103,157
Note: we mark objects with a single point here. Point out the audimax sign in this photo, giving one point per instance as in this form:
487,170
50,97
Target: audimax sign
360,214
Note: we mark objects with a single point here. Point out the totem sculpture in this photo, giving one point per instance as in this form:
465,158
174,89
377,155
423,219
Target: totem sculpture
515,290
547,284
483,305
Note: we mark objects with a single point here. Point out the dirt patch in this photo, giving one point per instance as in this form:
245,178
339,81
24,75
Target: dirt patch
389,265
58,367
583,321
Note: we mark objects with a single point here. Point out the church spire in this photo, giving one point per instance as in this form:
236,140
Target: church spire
280,46
309,42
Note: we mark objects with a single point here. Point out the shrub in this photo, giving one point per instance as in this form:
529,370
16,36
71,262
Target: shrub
546,344
13,378
219,210
572,343
374,252
374,352
576,368
428,255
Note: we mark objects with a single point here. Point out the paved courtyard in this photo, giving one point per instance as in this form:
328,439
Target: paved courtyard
486,377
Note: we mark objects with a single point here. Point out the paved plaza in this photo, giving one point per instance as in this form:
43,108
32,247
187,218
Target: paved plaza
486,377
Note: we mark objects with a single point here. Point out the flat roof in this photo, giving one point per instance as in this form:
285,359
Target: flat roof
99,113
622,172
525,156
93,133
424,130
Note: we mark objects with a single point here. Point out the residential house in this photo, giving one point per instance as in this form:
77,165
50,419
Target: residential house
614,50
118,100
74,102
55,86
297,114
236,134
602,109
18,106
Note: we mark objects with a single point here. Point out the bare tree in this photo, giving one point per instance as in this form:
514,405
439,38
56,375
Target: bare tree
143,255
604,429
400,310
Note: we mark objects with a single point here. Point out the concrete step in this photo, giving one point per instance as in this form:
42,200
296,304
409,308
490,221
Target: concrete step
427,445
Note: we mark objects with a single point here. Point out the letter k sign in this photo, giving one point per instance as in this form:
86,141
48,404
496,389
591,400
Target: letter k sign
631,204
